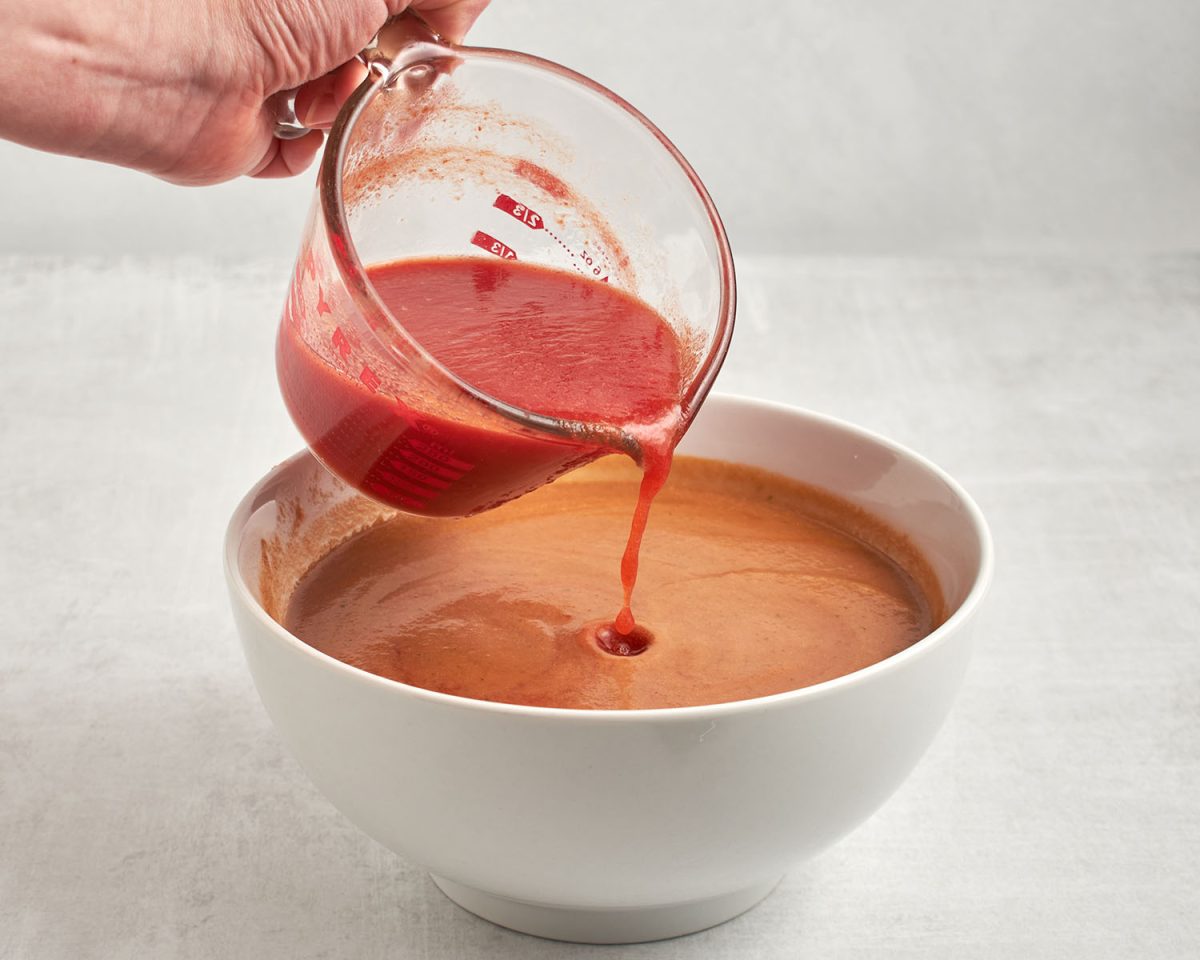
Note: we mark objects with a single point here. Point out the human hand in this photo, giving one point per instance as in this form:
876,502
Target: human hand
184,90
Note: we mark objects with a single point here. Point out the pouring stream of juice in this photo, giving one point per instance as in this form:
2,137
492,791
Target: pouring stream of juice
544,340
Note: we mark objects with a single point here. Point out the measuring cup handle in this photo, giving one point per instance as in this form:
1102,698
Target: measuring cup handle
403,40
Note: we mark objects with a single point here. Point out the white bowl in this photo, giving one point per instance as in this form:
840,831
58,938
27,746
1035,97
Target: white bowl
622,825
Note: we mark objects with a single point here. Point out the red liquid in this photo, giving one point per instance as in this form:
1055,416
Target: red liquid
547,341
632,642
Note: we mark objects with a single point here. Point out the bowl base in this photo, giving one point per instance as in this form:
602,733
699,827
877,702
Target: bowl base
635,925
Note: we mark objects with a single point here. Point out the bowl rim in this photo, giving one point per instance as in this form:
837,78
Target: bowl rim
240,594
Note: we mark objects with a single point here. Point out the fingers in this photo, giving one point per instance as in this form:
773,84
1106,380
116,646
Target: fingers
286,158
318,101
450,18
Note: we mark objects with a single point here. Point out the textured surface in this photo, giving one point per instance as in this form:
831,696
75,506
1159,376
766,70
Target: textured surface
147,808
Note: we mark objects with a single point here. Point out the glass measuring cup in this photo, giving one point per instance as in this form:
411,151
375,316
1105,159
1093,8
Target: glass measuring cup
449,151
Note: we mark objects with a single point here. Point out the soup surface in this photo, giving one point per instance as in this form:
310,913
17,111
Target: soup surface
750,584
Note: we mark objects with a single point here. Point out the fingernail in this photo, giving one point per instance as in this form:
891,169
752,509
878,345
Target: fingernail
320,112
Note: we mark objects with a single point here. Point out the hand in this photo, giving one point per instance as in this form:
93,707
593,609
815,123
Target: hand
182,88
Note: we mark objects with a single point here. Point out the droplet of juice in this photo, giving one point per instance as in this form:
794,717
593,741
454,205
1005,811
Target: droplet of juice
611,640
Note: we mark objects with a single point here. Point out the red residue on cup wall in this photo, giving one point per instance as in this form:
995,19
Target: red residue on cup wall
558,190
440,138
544,180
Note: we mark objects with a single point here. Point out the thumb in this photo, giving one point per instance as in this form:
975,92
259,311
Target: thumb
450,18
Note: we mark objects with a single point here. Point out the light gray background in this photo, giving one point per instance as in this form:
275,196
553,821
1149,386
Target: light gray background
1019,175
820,126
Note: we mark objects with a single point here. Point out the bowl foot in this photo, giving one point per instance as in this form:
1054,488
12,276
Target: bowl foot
621,925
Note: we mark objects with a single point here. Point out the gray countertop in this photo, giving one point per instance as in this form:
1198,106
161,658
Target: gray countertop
147,808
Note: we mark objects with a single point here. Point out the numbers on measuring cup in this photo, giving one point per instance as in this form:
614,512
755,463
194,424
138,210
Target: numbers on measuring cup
589,261
527,216
519,211
485,241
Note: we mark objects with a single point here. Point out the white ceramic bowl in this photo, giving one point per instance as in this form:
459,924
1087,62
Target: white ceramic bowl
620,826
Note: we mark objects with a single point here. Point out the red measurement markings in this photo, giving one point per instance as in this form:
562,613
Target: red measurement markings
402,468
518,211
595,265
435,451
412,472
386,485
489,243
590,263
369,378
341,344
430,468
